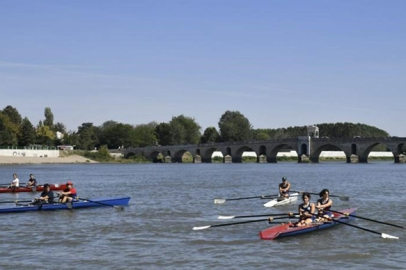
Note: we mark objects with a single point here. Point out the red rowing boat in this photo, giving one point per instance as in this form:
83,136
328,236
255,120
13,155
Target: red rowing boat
288,230
38,188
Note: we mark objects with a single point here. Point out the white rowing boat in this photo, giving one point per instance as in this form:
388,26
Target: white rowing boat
282,201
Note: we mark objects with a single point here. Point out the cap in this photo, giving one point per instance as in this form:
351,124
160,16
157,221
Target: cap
69,183
284,178
46,185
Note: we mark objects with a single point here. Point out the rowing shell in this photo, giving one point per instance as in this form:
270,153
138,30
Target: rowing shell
276,202
285,230
122,201
38,188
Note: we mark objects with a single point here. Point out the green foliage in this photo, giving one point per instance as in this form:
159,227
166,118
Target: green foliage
49,118
234,127
103,155
13,115
117,135
28,134
210,135
45,135
144,135
87,136
184,130
163,134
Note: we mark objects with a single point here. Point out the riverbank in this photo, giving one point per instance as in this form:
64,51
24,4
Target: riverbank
45,160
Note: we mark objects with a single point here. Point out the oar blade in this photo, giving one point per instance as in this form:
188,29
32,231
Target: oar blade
344,198
219,201
388,236
201,228
226,217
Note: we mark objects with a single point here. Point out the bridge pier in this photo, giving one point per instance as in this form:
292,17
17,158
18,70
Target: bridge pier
227,159
198,159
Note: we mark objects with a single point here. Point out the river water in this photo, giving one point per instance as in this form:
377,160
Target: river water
168,200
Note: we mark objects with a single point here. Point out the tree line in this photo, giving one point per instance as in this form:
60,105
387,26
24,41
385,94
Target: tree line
233,126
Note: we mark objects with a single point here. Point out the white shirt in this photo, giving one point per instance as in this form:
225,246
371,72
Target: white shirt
15,182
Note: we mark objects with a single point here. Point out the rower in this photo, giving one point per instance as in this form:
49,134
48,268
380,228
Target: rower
15,183
284,188
69,194
306,211
47,196
32,182
323,206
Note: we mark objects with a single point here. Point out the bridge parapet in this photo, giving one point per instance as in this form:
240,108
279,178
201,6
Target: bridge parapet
310,147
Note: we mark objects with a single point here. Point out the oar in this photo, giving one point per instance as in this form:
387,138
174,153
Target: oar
106,204
220,201
343,198
235,223
383,235
373,220
16,201
265,215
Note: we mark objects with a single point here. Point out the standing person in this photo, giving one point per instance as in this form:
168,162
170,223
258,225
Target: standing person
15,183
306,211
32,182
68,194
47,196
284,188
323,206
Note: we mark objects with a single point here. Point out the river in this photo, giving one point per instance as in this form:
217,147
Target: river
168,200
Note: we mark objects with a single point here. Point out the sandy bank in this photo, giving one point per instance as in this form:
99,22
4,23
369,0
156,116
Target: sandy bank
45,160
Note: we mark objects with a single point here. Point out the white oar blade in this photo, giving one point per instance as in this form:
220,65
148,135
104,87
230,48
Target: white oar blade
384,235
201,228
219,201
226,217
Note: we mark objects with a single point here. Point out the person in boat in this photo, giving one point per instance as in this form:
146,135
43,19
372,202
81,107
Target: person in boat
306,211
15,183
47,196
69,194
284,188
323,207
32,182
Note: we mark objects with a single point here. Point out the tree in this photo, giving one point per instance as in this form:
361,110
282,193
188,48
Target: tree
8,130
117,135
27,135
45,135
13,115
87,136
184,130
49,118
234,127
145,134
260,135
163,134
210,135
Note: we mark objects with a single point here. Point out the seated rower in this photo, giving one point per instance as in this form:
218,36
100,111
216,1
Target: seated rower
32,182
284,188
306,211
323,206
69,193
47,196
15,183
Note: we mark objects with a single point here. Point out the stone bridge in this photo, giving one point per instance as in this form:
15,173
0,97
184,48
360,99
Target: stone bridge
308,149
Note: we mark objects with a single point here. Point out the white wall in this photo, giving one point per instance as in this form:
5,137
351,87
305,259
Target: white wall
28,153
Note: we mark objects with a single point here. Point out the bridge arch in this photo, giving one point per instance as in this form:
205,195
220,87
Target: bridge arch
272,157
315,154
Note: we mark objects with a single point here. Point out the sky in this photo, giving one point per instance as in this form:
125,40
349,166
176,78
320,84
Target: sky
281,63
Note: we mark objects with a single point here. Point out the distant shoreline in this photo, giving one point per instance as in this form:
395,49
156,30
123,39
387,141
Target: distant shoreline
45,160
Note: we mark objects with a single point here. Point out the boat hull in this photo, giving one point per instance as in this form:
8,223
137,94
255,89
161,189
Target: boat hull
292,199
286,230
102,202
38,188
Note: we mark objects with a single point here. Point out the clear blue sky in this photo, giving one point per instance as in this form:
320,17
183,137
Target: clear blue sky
280,63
